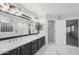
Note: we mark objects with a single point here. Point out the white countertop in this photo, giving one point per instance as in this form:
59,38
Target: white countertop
17,42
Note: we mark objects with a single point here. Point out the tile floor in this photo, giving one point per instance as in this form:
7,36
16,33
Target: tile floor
53,49
72,40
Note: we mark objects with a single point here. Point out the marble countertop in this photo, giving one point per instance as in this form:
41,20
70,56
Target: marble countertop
17,42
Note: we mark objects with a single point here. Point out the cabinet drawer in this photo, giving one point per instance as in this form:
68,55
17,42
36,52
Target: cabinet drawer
39,43
43,40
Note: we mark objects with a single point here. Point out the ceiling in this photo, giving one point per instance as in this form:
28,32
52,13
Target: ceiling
52,8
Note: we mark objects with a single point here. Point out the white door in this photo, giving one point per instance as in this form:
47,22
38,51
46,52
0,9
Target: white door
60,34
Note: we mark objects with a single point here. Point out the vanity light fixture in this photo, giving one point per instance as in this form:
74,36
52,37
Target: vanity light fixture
36,19
12,9
9,8
4,7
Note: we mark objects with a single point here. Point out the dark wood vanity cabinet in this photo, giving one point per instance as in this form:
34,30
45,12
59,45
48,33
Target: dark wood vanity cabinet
37,44
29,48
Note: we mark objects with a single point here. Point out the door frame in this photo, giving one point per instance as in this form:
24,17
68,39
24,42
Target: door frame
78,28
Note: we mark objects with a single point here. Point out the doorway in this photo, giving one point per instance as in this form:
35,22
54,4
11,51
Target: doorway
72,32
51,31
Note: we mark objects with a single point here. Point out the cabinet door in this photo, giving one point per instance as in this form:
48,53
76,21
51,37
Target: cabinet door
39,43
43,40
26,49
34,51
34,46
12,52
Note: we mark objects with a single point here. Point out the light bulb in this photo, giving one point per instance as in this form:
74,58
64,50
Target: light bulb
4,6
